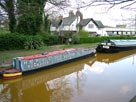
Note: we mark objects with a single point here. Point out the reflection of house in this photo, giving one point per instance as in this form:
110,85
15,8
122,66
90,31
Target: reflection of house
94,27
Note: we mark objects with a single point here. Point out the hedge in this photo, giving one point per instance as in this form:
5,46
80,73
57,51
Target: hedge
100,39
19,41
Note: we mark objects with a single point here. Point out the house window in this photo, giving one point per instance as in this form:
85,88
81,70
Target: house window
90,26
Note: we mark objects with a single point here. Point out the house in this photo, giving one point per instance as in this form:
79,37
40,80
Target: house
94,27
73,23
64,24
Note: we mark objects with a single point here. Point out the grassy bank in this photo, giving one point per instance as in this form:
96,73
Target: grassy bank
7,56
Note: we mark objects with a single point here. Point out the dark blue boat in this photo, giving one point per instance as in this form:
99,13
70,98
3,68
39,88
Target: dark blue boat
38,61
111,46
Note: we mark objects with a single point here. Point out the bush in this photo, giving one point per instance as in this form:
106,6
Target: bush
49,39
83,34
11,41
18,41
33,42
75,39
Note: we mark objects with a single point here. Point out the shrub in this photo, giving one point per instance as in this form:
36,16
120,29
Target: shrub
75,39
33,42
50,39
18,41
11,41
83,34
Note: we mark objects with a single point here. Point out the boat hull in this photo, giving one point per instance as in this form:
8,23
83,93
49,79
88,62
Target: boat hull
113,49
11,73
116,46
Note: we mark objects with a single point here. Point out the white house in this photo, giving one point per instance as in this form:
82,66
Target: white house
69,24
64,24
94,27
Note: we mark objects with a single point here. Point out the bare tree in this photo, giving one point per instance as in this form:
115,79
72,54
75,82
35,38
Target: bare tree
86,3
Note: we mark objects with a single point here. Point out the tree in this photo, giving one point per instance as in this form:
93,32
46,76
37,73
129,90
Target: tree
8,6
82,3
27,15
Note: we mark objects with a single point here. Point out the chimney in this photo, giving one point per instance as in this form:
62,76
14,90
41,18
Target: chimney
71,13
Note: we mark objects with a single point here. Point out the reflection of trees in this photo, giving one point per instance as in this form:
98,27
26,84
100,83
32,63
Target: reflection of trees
5,95
80,79
64,87
61,89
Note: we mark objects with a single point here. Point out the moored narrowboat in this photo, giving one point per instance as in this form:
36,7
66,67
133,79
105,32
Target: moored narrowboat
47,59
111,46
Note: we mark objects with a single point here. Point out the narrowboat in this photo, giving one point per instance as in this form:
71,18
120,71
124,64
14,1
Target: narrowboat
10,73
47,59
111,46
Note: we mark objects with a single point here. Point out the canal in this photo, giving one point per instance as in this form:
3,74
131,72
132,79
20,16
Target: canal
99,78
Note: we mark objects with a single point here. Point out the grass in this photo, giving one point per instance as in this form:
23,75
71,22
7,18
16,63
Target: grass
7,56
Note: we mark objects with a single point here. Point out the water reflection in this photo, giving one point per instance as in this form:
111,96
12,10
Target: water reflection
113,57
102,78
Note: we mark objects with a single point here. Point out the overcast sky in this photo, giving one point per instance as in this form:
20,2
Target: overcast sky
110,17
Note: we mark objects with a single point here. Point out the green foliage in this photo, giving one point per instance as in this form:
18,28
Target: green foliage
17,41
33,42
83,34
11,41
46,24
100,39
49,39
29,24
75,39
4,32
30,19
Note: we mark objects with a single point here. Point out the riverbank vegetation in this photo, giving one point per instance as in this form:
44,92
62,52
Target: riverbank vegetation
16,41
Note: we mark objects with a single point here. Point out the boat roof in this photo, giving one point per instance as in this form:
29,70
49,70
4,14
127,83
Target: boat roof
36,56
124,42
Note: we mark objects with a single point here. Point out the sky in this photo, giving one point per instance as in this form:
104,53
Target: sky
109,17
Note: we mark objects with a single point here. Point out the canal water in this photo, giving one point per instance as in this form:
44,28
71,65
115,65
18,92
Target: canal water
99,78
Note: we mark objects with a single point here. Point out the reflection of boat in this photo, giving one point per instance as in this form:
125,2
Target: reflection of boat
51,83
11,73
43,76
38,61
110,46
109,58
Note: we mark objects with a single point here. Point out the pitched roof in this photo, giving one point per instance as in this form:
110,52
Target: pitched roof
68,20
55,23
98,23
86,21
